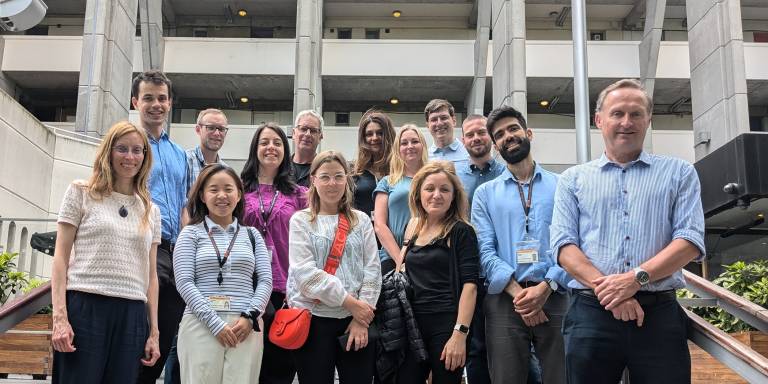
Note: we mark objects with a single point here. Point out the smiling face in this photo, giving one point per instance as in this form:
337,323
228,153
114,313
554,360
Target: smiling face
127,156
436,195
476,139
374,136
220,195
153,103
307,134
623,120
211,131
330,180
513,142
410,147
440,124
270,151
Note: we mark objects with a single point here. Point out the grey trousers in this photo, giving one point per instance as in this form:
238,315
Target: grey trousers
509,340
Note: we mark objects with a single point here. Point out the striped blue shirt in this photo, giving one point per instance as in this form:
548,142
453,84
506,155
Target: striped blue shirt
197,269
622,217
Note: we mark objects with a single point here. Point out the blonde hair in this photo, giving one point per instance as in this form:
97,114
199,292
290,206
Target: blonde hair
397,164
621,84
101,183
345,203
210,111
459,208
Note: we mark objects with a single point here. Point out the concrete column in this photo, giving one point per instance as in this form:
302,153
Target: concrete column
508,25
476,98
718,78
307,82
649,52
152,43
6,84
104,88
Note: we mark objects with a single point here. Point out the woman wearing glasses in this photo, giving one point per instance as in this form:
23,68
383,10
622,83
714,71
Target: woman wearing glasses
104,281
271,198
375,137
339,291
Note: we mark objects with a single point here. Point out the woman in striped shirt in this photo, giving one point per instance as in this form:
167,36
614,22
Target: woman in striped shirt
223,273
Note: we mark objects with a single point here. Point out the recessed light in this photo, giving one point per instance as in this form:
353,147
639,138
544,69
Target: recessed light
396,13
242,13
544,103
394,100
243,99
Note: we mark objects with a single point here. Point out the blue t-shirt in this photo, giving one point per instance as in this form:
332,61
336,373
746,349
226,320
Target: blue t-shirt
398,212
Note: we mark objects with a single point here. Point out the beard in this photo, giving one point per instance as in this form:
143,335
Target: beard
479,153
518,154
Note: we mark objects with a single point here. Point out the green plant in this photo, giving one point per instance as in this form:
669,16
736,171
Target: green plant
10,280
34,283
749,280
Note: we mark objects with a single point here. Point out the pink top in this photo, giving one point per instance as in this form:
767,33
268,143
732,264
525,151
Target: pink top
275,229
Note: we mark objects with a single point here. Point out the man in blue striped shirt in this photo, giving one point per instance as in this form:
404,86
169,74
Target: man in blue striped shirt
624,226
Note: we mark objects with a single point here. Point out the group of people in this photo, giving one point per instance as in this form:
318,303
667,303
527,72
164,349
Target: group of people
415,262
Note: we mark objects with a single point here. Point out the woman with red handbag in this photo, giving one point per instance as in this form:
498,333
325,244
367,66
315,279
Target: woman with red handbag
334,273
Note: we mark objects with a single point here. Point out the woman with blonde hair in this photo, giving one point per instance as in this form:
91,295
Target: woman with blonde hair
104,281
442,259
335,273
391,212
375,137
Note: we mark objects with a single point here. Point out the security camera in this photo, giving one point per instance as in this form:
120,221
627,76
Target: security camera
20,15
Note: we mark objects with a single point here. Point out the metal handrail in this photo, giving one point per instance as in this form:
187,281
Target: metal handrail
72,135
24,306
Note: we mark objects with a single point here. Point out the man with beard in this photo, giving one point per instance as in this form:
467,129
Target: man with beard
212,129
441,121
525,299
307,134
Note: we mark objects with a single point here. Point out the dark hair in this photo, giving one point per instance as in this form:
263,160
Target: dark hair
250,174
435,105
500,113
365,159
469,118
195,206
153,76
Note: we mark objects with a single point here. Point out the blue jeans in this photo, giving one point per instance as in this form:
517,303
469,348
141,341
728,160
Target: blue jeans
172,365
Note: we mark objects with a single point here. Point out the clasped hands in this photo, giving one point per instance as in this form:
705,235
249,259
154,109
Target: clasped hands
235,333
616,293
529,302
362,315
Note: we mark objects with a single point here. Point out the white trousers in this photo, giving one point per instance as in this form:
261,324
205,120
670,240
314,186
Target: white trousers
203,360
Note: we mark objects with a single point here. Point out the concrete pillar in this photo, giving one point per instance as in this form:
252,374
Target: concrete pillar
6,84
649,52
476,98
718,78
104,88
152,43
307,82
508,26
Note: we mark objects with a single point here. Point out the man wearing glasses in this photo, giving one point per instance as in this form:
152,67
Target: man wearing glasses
212,129
307,133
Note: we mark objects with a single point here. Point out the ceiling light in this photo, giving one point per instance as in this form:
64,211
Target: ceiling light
544,103
243,99
394,100
396,13
242,13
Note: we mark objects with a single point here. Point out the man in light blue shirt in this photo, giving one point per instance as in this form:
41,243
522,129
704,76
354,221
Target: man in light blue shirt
526,299
624,226
441,121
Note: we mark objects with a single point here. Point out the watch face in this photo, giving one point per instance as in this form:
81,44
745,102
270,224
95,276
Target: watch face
553,285
642,277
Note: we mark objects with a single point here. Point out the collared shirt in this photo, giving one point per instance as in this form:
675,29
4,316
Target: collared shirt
472,177
452,152
621,217
168,183
499,220
195,163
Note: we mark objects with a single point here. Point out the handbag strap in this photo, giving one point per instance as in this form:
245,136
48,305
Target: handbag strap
337,248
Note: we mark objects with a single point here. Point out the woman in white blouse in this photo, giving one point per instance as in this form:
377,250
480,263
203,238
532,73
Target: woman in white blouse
342,303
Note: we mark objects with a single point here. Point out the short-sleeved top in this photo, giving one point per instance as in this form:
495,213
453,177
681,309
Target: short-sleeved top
168,183
454,152
472,176
277,225
110,255
365,184
398,212
300,173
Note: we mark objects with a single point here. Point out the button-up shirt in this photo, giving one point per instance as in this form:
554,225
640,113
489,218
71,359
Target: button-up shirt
454,151
499,220
195,163
472,176
168,182
621,217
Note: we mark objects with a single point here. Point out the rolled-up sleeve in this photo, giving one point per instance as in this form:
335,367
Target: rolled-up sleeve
688,214
497,271
565,216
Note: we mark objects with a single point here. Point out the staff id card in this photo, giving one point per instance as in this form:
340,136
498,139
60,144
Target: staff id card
219,302
527,250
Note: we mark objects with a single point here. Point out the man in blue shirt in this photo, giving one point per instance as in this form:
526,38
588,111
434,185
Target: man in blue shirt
525,299
624,226
151,97
441,121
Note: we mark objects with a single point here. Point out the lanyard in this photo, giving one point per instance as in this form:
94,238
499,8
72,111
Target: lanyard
221,260
265,214
526,203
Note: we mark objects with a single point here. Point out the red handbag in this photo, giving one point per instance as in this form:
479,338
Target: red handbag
290,328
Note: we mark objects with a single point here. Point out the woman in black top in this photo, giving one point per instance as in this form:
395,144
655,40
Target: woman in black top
375,136
442,260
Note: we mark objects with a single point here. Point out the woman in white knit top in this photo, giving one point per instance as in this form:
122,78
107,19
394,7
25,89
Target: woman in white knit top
104,282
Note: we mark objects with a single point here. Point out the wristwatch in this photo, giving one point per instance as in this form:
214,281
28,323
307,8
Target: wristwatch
552,285
642,277
253,316
461,328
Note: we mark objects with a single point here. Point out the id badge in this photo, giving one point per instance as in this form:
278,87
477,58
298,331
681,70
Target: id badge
219,303
527,250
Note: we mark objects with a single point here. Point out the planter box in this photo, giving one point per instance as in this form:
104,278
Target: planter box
707,369
28,353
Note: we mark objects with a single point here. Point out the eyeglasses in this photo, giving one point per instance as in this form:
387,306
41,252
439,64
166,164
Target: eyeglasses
311,130
326,179
211,128
136,151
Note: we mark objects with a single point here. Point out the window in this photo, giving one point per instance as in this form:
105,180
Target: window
342,118
262,32
597,35
200,32
760,37
345,33
372,33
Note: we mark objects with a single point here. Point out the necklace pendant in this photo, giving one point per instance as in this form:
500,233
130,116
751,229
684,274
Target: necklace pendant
123,211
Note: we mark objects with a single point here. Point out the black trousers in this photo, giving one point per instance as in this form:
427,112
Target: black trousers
435,329
477,356
170,308
277,366
599,347
318,357
110,334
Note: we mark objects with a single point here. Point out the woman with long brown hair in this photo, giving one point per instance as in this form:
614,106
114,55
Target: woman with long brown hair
375,137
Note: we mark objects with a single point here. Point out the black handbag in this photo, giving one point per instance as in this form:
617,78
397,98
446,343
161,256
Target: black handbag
44,242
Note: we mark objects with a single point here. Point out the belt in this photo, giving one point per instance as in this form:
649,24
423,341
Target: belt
167,245
642,297
528,284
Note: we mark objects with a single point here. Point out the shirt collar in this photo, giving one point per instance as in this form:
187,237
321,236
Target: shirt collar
454,146
201,158
212,225
163,136
488,166
507,174
644,158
